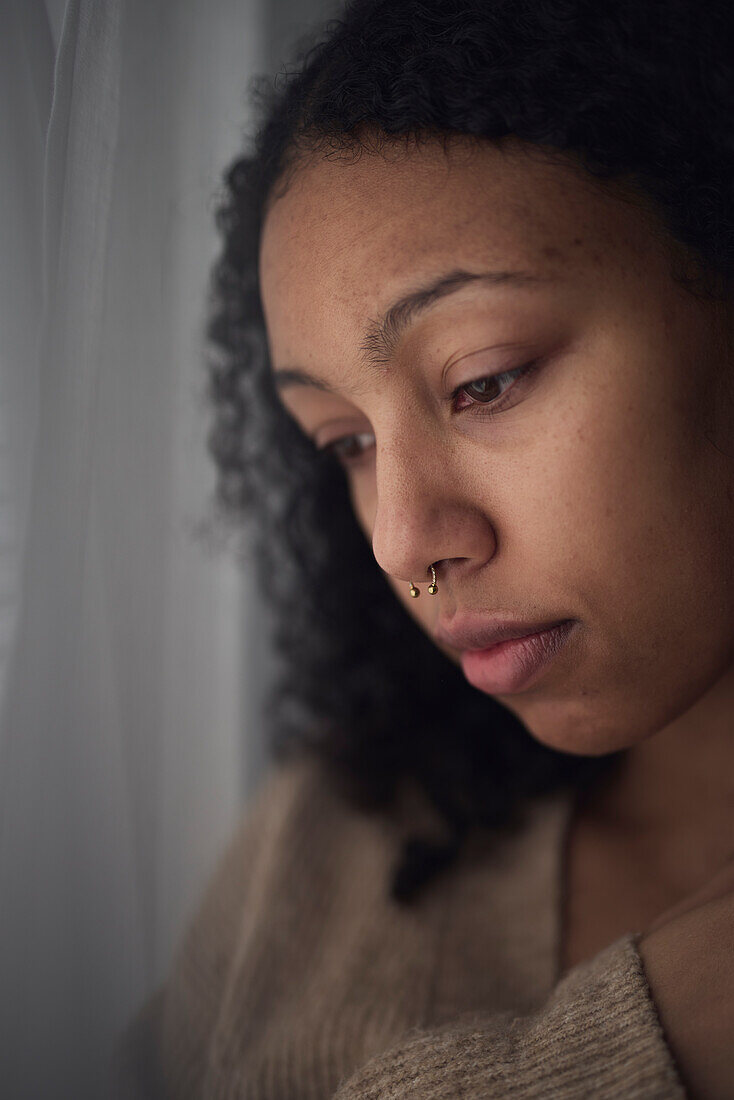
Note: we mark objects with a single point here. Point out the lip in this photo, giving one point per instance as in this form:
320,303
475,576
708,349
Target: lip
502,656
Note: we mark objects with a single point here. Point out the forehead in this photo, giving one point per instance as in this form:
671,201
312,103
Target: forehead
348,236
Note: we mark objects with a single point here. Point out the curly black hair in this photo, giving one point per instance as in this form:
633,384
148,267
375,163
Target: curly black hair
626,90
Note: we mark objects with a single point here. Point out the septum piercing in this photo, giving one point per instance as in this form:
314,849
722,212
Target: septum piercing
432,587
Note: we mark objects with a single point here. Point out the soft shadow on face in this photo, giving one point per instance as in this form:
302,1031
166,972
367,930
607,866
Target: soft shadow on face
553,432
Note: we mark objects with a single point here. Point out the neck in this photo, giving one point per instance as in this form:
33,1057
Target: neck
672,797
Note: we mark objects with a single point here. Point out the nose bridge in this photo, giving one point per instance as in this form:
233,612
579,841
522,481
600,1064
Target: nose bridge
422,513
405,493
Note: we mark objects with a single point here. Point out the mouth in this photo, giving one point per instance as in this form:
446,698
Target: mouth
502,657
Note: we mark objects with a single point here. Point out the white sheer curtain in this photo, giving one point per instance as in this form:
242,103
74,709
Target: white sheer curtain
131,666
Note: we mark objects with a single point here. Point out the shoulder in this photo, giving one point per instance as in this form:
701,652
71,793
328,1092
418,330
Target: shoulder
294,816
298,822
295,820
296,927
305,857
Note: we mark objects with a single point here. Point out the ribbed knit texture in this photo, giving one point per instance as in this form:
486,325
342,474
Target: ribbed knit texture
300,979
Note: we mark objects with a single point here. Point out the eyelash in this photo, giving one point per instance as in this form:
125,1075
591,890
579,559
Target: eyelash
484,409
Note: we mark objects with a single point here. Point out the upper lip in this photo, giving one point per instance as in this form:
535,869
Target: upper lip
473,631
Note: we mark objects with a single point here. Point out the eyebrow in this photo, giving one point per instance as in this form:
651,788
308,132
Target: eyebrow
381,336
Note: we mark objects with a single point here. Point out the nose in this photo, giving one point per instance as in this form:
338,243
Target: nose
427,511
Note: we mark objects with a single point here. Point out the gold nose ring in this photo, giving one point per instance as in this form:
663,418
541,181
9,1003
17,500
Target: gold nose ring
432,587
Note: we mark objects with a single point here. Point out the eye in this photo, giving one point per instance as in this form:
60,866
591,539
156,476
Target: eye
488,392
349,449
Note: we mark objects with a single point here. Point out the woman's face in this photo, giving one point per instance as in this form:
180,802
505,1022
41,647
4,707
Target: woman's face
550,424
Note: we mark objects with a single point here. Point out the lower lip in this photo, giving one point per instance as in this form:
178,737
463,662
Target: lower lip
512,665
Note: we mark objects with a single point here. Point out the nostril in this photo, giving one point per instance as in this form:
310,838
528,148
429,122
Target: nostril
432,587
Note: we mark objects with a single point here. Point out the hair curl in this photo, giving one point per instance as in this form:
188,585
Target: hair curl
640,92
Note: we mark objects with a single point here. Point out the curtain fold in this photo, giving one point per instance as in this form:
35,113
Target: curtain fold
26,78
132,663
127,719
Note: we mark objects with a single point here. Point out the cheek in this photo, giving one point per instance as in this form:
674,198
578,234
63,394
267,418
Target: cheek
620,491
630,525
646,514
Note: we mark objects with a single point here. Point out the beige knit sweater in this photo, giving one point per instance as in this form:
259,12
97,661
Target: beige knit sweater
300,979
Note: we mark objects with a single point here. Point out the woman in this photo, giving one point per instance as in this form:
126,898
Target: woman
473,320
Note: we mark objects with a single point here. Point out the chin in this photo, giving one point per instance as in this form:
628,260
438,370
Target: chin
553,725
